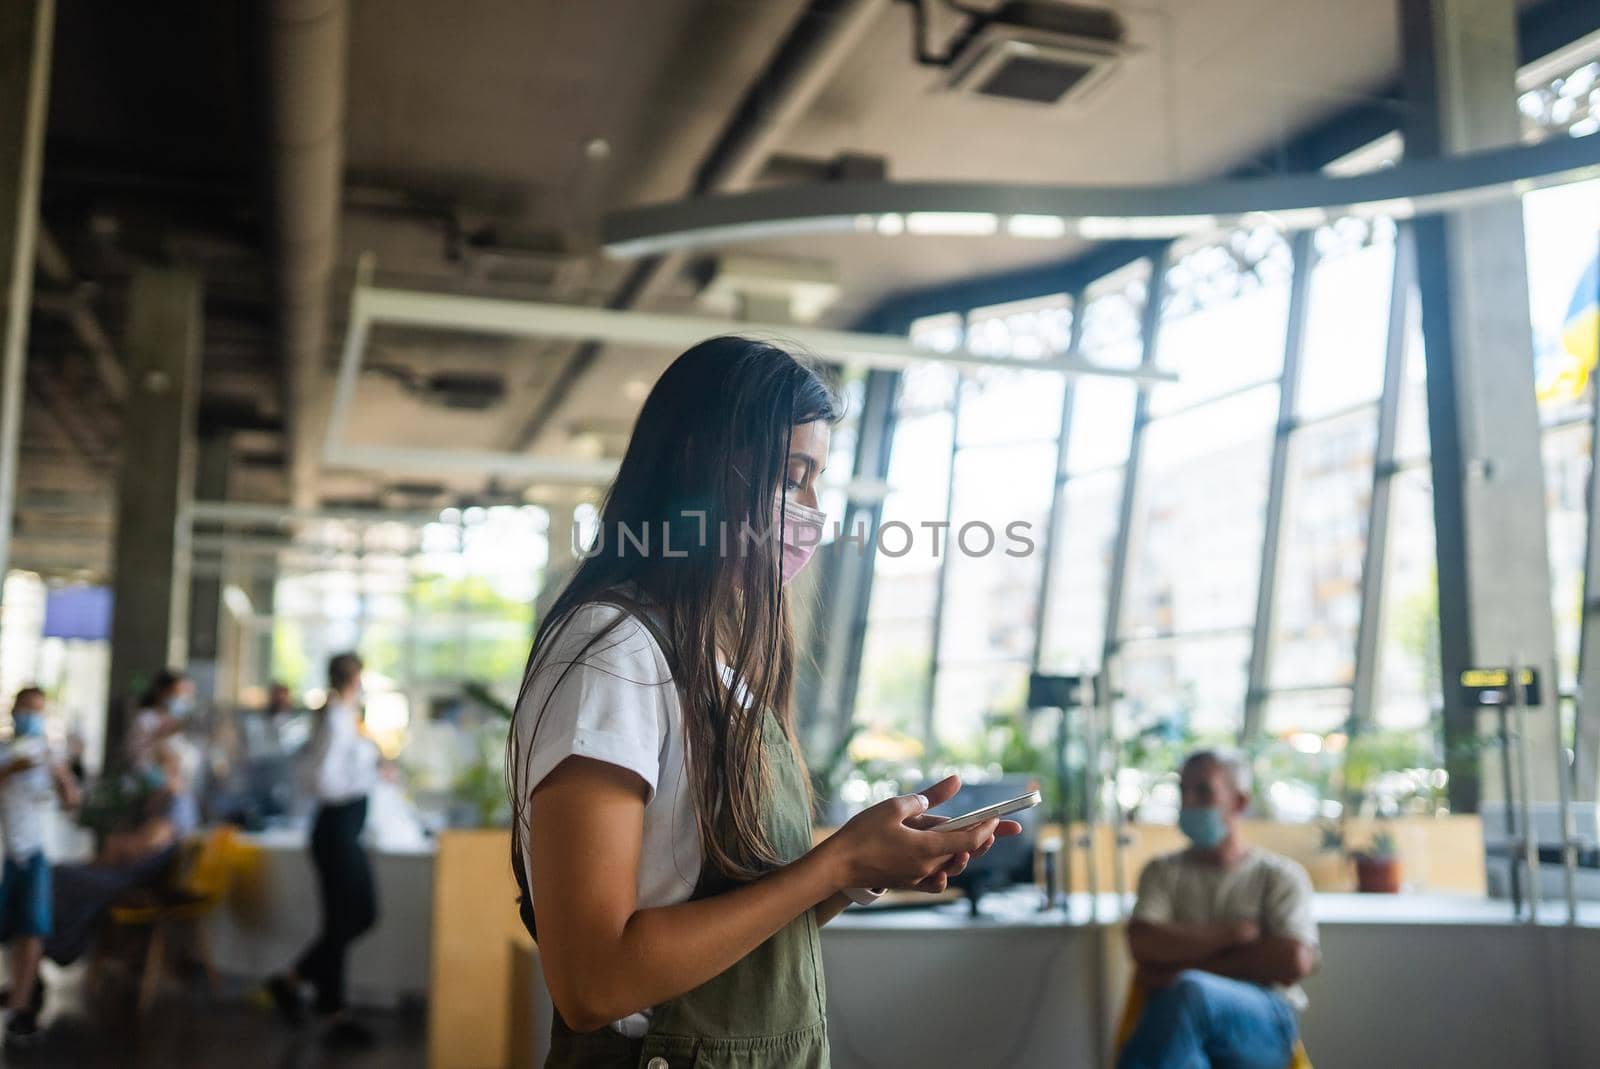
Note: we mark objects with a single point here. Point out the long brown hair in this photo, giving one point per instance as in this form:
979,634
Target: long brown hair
708,458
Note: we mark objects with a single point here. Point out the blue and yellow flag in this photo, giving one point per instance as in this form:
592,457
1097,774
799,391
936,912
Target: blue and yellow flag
1580,341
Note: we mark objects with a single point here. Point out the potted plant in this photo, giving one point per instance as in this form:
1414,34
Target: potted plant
1330,867
1378,866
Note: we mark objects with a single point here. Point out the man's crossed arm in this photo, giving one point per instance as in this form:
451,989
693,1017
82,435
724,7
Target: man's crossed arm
1234,949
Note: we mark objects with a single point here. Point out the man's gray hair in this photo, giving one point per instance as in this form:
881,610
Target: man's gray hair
1235,763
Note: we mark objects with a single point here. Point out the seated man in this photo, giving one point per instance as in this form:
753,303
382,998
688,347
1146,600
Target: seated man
1222,935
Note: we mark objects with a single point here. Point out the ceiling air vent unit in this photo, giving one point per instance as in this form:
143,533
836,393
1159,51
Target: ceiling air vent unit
1040,53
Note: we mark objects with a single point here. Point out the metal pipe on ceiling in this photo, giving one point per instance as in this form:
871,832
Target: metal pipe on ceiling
306,59
73,305
244,512
821,38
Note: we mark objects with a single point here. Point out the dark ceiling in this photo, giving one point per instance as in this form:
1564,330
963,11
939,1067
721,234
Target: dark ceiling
482,143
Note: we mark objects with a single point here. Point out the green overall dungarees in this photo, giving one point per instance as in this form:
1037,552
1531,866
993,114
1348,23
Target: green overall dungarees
765,1011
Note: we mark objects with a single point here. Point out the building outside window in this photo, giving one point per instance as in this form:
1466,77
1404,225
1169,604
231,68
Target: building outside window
1195,555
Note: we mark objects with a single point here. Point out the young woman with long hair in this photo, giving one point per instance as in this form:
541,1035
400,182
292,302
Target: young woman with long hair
662,811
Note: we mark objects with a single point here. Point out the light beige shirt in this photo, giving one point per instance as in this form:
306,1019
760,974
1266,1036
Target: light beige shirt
1263,887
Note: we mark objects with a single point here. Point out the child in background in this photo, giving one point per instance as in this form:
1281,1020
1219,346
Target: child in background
28,771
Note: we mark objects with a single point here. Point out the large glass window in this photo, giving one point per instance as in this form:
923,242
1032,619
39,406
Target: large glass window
1562,230
1098,438
897,654
1410,685
1194,686
1008,423
1224,309
1196,541
1328,489
1202,496
953,611
429,608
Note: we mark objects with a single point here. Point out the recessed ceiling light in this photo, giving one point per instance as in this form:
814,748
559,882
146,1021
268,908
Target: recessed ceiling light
587,444
974,224
597,149
1036,226
636,389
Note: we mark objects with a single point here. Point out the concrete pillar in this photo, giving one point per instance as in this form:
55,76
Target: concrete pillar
25,35
150,595
1488,482
205,591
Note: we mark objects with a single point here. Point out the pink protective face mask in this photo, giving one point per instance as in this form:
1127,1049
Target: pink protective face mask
802,531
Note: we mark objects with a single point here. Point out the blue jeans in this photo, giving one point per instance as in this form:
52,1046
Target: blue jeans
25,897
1205,1021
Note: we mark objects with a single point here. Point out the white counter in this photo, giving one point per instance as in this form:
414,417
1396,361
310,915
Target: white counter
1406,981
271,914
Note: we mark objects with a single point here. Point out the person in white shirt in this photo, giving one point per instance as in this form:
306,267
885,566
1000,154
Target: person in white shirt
341,769
1222,934
162,709
29,775
662,823
158,748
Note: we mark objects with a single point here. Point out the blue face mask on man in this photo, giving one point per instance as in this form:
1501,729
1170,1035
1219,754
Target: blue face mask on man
1204,825
26,724
180,705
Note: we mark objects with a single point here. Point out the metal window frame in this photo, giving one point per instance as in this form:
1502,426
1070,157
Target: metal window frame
930,739
1302,250
1585,768
1385,467
843,608
1069,399
1121,550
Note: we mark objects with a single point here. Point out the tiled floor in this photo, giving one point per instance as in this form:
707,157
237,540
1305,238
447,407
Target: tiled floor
188,1028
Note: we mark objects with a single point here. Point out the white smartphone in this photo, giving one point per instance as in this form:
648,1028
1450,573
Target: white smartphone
990,812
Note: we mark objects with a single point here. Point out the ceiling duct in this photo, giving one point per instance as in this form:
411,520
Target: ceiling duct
779,289
1040,53
467,391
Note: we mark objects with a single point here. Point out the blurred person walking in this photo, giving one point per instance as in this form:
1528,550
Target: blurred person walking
29,774
158,749
341,770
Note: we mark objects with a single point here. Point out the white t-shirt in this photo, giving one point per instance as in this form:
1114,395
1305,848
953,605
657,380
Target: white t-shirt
617,705
342,764
1263,887
145,747
25,798
142,737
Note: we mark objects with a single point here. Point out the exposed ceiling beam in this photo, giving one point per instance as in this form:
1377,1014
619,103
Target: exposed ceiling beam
73,305
481,315
803,66
955,209
535,319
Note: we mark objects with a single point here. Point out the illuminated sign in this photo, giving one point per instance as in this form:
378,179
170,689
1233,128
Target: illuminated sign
1490,687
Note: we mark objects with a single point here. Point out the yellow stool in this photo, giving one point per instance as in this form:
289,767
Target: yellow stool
1134,1006
204,874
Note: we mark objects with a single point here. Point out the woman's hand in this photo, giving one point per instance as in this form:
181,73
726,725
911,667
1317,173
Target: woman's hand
958,864
897,844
